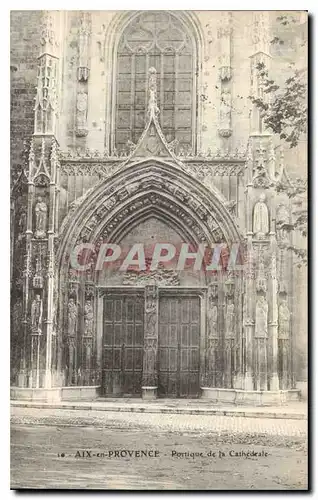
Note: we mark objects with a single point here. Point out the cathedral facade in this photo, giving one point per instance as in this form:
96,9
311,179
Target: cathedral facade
138,129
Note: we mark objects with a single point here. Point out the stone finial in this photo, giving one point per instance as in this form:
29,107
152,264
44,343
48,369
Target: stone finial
48,40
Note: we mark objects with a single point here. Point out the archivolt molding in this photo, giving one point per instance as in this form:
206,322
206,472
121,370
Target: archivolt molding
148,187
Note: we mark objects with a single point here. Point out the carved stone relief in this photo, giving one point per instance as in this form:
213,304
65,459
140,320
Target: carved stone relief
151,336
81,113
261,317
40,218
260,218
72,310
36,315
283,320
82,75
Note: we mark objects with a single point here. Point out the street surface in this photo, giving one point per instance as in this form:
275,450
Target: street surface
107,450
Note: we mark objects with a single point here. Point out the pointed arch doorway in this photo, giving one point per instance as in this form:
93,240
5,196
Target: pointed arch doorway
170,358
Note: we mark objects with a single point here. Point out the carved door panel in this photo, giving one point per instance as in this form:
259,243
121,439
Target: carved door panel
123,339
179,347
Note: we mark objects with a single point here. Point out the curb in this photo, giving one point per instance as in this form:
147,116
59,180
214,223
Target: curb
162,410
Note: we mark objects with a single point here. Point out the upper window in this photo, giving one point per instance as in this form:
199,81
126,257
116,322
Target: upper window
159,40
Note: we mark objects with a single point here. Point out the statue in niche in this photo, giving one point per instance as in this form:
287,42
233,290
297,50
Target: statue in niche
283,320
40,218
261,316
229,320
36,314
225,108
88,317
261,218
150,358
22,225
17,316
212,320
81,115
261,284
153,109
72,317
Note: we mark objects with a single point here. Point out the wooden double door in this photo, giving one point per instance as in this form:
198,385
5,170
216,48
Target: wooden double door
178,353
179,347
123,344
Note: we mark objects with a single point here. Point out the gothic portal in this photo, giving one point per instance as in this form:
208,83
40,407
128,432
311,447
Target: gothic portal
126,150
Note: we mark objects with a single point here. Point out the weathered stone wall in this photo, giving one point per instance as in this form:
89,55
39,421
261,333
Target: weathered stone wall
24,50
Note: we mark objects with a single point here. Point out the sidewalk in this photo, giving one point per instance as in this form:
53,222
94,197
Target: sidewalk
294,410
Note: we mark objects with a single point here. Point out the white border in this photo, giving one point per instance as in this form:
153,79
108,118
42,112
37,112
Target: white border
5,162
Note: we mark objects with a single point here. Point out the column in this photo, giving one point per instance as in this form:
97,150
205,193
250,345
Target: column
71,327
273,322
249,278
212,368
150,375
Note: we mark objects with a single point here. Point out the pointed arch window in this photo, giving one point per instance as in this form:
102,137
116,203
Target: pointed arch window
159,40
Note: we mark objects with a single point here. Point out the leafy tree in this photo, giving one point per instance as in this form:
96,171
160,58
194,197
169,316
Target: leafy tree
283,109
297,193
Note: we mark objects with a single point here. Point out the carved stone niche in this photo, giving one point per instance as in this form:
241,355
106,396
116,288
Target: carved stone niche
37,282
224,128
81,112
213,291
36,314
40,217
72,312
89,313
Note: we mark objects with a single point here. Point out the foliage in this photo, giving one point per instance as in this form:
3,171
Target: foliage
284,112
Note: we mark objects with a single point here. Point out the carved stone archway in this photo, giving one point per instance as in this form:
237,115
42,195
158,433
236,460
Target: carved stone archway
151,184
145,187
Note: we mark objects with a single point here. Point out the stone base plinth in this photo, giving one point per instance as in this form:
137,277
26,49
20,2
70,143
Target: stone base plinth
256,398
303,388
149,393
31,394
80,393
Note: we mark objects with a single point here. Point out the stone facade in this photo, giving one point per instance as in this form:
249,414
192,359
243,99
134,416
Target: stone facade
138,127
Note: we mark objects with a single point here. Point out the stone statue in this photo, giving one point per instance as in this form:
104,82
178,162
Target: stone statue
150,357
81,115
153,109
88,317
283,320
40,218
151,318
72,317
225,108
17,316
36,314
22,225
261,317
212,320
230,320
261,218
